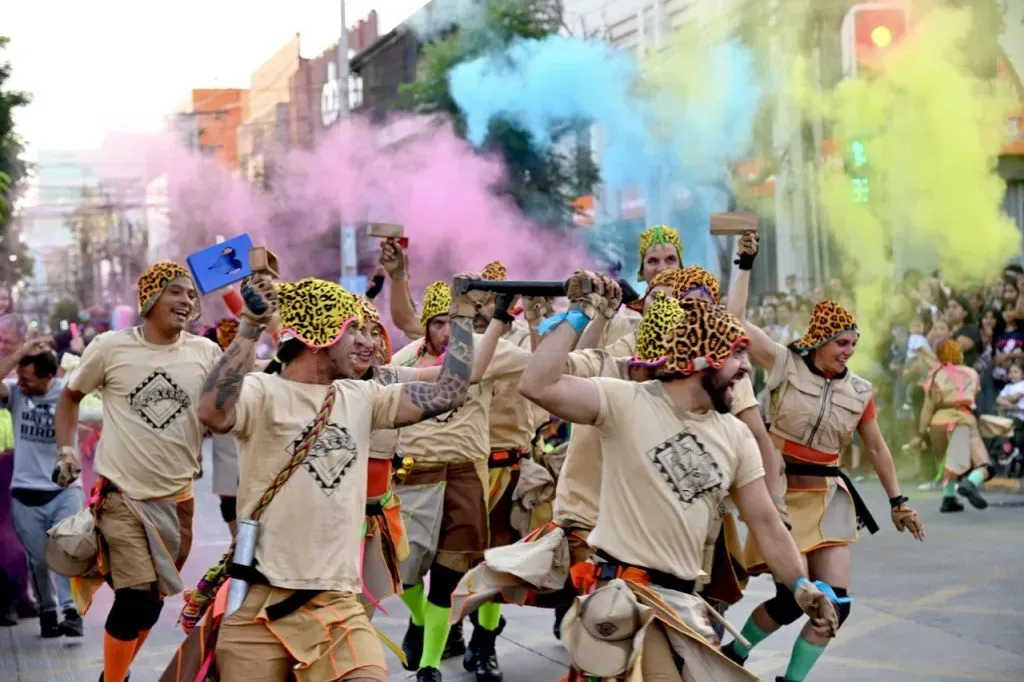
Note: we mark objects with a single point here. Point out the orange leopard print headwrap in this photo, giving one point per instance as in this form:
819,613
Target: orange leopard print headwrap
227,330
381,338
694,279
494,271
828,320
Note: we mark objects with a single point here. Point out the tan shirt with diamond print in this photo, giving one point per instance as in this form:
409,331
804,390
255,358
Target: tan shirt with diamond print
462,434
152,438
310,533
665,475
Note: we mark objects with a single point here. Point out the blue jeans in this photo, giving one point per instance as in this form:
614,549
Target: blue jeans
31,523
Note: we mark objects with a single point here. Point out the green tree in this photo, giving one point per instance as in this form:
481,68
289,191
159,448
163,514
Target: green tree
66,310
15,263
542,182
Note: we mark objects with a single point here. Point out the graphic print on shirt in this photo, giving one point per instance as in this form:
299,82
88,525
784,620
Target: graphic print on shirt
331,458
36,423
158,400
688,468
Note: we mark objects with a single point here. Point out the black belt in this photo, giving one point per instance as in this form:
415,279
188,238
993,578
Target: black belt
35,498
290,604
864,518
500,459
374,509
613,568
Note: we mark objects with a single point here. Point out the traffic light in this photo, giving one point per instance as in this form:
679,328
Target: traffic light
870,30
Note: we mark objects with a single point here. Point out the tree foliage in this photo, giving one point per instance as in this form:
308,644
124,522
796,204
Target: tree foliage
12,171
542,182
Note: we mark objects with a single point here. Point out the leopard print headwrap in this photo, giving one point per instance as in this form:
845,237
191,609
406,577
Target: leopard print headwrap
694,277
155,280
227,329
317,312
697,335
658,234
666,278
381,338
828,320
662,316
495,272
437,300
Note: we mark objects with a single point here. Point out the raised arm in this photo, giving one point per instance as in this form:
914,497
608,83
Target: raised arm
543,382
424,399
27,350
535,311
762,348
224,383
403,310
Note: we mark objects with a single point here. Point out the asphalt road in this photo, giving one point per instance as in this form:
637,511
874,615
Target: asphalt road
951,608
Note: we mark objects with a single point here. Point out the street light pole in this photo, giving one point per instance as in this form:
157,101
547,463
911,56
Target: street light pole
346,246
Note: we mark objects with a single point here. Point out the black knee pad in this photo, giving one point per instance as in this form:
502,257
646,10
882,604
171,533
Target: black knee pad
150,612
782,608
443,582
228,509
990,471
842,609
131,612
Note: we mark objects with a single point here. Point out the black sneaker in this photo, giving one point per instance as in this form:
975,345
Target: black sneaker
950,504
428,675
973,495
48,627
126,677
72,625
412,646
481,658
456,644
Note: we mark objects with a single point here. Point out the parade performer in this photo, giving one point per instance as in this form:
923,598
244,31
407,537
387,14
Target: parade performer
947,418
225,447
817,404
672,456
305,440
150,379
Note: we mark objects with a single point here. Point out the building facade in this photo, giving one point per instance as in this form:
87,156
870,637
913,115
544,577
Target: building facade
211,121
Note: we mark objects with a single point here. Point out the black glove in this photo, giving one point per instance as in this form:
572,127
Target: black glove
502,303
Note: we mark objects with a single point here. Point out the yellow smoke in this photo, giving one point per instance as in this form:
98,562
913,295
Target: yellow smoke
931,131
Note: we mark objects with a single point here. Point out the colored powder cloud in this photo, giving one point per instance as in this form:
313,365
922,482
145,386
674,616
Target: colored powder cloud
929,130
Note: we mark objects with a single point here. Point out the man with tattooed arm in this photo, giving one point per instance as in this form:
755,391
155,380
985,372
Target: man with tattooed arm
304,437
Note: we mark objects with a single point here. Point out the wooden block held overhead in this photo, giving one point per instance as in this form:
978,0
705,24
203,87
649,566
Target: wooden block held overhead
738,222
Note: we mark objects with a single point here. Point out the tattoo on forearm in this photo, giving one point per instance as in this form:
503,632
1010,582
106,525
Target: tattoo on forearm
438,397
228,374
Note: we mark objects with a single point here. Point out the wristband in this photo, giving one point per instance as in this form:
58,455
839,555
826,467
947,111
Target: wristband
576,318
799,581
746,261
827,590
895,502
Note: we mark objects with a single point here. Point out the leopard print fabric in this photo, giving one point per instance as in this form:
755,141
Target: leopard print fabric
495,272
155,280
828,320
381,339
661,318
437,300
693,279
701,336
658,234
317,312
227,330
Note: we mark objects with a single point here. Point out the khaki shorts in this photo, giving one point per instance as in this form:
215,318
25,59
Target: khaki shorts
124,537
328,638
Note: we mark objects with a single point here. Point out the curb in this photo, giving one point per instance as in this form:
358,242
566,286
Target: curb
1000,484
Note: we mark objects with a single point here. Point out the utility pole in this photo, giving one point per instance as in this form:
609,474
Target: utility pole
346,231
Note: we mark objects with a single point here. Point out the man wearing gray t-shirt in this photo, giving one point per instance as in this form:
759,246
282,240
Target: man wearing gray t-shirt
37,502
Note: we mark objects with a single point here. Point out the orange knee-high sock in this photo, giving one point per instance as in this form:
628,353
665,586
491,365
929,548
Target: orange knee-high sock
143,634
117,657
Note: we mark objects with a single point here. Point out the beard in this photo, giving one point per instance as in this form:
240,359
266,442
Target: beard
480,322
717,385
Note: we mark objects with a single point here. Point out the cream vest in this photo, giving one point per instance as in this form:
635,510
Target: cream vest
816,412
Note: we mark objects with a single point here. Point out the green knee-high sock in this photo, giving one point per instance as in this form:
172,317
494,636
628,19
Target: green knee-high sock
489,616
949,490
753,634
803,658
978,476
415,600
435,634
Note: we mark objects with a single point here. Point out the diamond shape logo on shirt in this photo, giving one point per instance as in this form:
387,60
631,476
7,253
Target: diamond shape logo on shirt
159,400
331,457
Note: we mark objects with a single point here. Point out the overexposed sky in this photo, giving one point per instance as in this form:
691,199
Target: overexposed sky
122,65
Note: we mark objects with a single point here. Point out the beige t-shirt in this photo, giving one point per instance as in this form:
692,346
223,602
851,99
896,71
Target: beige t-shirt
310,533
462,434
384,442
514,419
666,476
578,489
152,438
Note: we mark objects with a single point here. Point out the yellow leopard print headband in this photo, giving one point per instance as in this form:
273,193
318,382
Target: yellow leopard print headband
154,282
437,300
371,318
654,235
317,312
828,320
495,272
697,337
662,316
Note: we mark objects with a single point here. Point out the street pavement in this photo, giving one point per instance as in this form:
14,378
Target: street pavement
951,608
